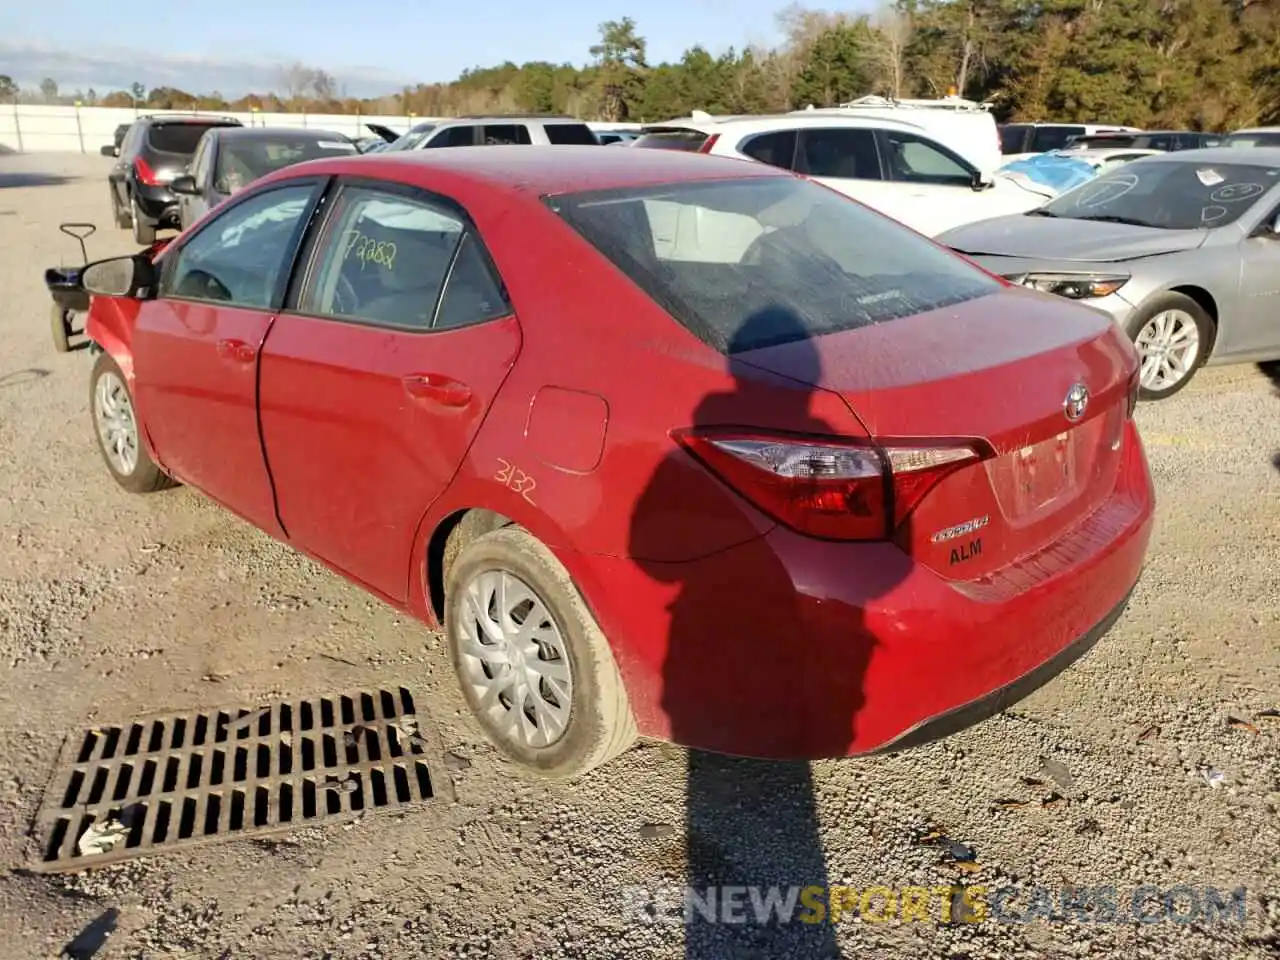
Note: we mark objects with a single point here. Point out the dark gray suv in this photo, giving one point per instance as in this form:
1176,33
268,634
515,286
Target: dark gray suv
155,150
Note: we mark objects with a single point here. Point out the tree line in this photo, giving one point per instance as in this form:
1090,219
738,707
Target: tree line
1199,64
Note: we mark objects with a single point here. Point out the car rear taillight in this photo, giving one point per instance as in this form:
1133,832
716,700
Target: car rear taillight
145,173
1131,403
708,143
835,489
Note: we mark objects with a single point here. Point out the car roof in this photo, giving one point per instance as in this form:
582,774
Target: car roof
1258,156
805,118
1255,130
269,133
514,168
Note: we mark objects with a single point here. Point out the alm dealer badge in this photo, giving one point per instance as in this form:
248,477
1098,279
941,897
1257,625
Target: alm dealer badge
964,551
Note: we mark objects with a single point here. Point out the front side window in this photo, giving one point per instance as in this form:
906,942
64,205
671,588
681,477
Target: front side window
383,258
240,256
1167,194
453,137
914,159
716,254
847,153
1262,138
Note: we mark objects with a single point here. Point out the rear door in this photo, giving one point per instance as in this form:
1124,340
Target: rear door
376,379
847,159
196,346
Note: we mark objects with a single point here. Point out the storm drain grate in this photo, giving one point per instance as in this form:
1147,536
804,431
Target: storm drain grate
182,779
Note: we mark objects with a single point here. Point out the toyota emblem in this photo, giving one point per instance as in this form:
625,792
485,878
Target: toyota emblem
1077,402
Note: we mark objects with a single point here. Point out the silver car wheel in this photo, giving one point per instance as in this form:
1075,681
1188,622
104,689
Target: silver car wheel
117,426
514,660
1169,345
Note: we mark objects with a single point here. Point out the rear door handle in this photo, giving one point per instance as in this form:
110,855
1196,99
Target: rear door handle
437,389
237,351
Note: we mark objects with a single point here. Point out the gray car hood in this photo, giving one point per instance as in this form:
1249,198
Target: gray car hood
1060,238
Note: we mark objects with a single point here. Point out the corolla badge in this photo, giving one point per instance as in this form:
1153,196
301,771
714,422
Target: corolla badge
1077,401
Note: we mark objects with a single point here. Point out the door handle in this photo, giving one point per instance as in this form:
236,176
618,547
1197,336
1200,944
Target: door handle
236,351
438,389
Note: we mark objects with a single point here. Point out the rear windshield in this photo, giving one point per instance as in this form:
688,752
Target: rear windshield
689,140
1253,140
178,137
570,134
718,254
241,160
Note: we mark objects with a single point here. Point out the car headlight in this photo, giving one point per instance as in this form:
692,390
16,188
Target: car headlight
1073,286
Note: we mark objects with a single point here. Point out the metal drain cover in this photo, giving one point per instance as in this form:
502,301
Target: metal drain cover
179,780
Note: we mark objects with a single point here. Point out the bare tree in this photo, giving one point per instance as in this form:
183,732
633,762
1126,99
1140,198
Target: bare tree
323,85
49,89
893,30
297,79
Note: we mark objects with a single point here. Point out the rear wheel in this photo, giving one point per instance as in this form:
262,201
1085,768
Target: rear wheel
120,215
119,434
535,668
144,233
1172,334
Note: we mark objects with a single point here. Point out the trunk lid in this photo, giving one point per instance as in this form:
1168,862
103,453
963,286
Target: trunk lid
996,371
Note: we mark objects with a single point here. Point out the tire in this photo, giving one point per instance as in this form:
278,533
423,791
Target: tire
59,321
143,233
1147,327
122,217
107,389
596,724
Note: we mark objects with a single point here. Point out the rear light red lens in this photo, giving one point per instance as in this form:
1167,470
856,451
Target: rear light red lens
708,143
145,173
835,489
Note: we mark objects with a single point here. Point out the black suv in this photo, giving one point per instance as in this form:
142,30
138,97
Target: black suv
155,150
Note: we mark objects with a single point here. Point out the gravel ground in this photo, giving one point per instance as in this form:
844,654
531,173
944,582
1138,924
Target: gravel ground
1103,778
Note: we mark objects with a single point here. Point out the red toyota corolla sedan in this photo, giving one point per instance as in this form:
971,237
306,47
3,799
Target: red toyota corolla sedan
667,444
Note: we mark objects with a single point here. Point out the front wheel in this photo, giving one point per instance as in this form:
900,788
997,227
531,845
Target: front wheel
59,326
535,668
1172,334
119,434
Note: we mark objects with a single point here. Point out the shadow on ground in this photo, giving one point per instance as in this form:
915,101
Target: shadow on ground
1271,370
19,377
32,180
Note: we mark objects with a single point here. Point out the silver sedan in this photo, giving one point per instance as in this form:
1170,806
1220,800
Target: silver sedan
1181,249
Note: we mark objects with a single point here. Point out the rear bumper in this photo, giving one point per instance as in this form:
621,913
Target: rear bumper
787,647
158,204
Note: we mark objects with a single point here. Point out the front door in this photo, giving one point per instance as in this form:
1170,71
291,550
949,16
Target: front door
1257,328
195,347
374,383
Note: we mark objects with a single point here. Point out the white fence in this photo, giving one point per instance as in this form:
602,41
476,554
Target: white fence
32,129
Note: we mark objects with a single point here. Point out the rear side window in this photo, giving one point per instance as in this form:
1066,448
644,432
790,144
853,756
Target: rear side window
1053,138
776,149
842,152
504,134
570,134
688,140
718,254
177,137
1013,137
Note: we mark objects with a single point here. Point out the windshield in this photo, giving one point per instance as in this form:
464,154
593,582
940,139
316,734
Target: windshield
688,140
241,160
411,139
1167,194
714,254
1267,139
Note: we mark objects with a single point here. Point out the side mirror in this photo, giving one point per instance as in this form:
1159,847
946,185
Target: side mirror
185,184
119,276
980,181
1268,229
109,151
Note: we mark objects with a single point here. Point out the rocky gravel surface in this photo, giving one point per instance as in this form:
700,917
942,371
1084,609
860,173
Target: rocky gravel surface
1152,765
